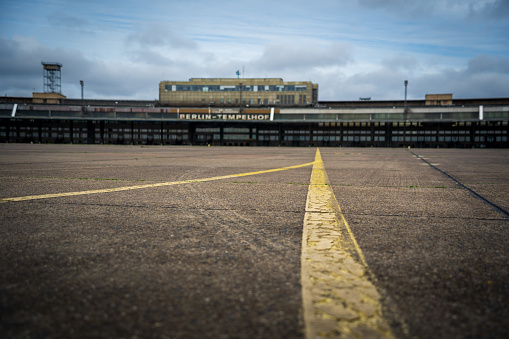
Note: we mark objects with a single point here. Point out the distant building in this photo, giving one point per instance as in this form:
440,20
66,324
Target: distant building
47,98
236,92
439,99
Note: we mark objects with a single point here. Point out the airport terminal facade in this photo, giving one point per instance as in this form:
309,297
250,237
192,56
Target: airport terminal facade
257,112
229,92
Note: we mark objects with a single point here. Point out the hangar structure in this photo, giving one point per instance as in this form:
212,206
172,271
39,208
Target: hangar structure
472,123
254,112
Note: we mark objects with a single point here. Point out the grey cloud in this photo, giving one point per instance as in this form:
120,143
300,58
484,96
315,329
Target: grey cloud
63,20
383,3
382,84
488,64
108,80
158,35
21,72
463,84
402,62
20,66
417,8
13,58
496,9
146,45
277,57
483,77
149,57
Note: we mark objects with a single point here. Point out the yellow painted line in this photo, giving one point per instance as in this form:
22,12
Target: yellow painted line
338,298
127,188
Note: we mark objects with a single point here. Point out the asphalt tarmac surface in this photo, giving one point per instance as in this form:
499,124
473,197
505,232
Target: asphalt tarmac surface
221,258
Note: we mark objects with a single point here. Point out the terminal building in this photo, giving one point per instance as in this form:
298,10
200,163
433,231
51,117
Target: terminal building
229,92
256,112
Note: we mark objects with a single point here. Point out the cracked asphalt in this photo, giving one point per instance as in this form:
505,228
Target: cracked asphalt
440,254
221,259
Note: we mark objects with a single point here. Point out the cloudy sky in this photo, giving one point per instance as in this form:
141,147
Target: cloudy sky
351,48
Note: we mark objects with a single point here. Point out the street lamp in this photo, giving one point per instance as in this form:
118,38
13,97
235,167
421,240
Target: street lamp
240,107
406,84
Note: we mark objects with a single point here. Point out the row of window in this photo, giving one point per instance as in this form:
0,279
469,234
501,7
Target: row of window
332,138
235,88
225,130
206,137
244,101
207,130
115,136
356,138
237,130
451,138
290,99
236,136
460,124
281,99
34,130
112,136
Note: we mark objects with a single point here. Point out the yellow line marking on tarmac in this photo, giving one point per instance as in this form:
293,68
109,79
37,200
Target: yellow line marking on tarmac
127,188
339,301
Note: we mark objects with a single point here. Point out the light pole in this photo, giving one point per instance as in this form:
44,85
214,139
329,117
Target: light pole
240,107
406,84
